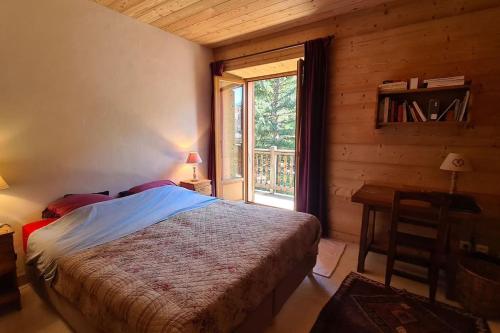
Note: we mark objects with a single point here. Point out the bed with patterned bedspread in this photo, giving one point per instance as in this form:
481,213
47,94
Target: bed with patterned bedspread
199,270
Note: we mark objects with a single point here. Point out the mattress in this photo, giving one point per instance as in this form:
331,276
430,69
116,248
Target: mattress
202,270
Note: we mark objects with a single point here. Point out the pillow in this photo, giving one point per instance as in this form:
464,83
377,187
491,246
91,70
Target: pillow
33,226
103,192
146,186
71,202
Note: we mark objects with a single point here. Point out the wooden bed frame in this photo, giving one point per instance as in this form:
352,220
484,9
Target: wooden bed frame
256,321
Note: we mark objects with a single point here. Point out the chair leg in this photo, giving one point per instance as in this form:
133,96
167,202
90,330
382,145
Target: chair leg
391,254
389,267
432,286
433,278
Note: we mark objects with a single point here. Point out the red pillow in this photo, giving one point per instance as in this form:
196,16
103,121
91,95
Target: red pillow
147,186
33,226
71,202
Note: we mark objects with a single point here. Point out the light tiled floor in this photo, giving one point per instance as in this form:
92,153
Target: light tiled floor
297,315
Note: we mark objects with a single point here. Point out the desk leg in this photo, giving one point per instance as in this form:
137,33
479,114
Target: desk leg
452,267
363,238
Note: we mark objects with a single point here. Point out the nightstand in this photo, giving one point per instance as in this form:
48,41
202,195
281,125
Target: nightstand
10,298
202,186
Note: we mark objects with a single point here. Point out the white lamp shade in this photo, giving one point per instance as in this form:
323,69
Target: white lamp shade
193,157
456,162
3,184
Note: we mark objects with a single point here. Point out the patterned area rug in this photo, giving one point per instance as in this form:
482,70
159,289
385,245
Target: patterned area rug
363,305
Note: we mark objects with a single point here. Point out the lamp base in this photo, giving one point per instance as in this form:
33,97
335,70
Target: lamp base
195,177
453,184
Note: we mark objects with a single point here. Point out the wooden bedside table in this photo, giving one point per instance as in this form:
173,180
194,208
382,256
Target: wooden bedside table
202,186
10,298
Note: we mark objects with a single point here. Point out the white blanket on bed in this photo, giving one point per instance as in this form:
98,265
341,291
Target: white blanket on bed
106,221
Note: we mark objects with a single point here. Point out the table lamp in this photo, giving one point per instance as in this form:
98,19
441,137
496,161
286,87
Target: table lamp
3,184
194,158
455,163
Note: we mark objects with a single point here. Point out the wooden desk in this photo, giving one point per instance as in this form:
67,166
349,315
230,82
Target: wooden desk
379,198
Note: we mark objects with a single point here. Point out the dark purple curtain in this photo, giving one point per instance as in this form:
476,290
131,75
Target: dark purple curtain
216,68
311,132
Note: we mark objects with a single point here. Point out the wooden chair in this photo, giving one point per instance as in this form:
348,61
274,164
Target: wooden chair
427,211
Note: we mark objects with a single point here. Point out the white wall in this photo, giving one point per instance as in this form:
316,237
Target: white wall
92,100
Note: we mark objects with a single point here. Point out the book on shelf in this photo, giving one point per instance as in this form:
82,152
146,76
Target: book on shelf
413,114
386,109
419,111
463,107
397,109
414,83
393,116
392,86
390,111
400,113
445,81
450,107
405,112
453,115
433,110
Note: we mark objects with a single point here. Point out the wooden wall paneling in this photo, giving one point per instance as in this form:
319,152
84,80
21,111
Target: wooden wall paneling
341,210
486,159
364,132
414,176
376,19
397,41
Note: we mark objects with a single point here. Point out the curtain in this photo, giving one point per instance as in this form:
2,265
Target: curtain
216,68
311,132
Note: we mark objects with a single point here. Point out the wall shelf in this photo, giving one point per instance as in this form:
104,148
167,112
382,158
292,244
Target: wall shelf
445,96
424,90
427,124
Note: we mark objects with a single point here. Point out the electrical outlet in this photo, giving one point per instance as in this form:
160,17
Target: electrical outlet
482,248
465,245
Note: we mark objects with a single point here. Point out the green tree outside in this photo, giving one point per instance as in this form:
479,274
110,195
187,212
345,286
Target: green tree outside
275,110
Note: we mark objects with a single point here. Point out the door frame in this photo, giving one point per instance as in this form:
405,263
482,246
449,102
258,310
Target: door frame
250,130
218,133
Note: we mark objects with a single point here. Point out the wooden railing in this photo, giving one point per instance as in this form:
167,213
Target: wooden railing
274,170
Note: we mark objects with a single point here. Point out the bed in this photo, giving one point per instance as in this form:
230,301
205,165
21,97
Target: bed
199,265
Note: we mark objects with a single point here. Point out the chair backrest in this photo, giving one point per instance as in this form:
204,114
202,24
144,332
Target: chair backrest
428,210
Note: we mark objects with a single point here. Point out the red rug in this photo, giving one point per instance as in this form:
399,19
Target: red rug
364,305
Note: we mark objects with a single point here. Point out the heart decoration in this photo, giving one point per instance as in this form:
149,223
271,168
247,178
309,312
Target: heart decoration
458,162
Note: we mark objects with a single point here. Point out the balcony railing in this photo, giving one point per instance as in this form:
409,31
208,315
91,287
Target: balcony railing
274,170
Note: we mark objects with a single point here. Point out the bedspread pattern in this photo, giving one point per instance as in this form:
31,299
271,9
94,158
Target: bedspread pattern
202,270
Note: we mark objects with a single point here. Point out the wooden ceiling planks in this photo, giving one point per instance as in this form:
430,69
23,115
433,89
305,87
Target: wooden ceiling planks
220,22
